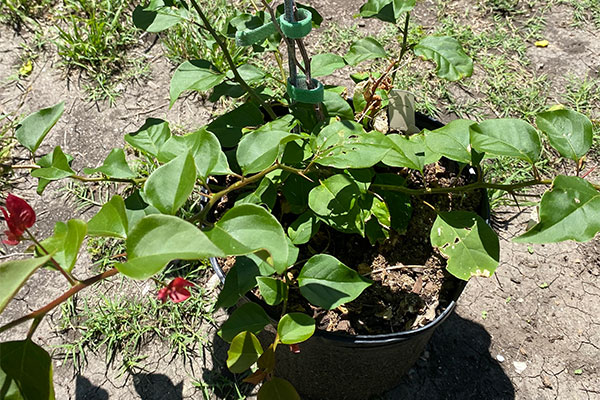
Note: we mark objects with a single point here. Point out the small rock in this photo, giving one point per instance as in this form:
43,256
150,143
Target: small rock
362,24
520,366
500,358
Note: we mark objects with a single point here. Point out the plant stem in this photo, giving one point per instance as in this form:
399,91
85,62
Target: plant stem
229,60
201,216
39,313
68,277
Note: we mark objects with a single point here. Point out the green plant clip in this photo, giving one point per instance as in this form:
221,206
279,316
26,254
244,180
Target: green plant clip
300,92
299,29
254,36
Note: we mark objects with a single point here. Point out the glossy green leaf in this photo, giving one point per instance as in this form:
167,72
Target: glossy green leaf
114,166
303,228
204,147
569,132
25,372
405,152
150,137
228,127
277,389
336,106
248,228
326,64
507,137
59,169
169,186
451,60
328,283
244,351
380,9
272,290
472,247
250,73
259,149
336,201
157,239
197,75
158,15
364,49
569,211
45,162
239,280
345,144
248,317
295,328
111,220
136,208
33,129
451,141
66,242
14,274
398,203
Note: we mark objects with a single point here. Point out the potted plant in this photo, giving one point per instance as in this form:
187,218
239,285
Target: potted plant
322,215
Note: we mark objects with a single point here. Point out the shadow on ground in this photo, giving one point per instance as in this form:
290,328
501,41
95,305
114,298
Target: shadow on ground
147,387
85,390
458,366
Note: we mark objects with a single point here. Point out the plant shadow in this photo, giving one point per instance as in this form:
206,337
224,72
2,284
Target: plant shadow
459,366
146,387
86,390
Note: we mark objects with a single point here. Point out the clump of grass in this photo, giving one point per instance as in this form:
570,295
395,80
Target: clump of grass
94,36
17,12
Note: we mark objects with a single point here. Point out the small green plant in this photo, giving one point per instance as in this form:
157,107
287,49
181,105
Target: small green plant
275,181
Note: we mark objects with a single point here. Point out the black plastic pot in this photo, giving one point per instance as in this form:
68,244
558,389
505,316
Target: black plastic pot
332,366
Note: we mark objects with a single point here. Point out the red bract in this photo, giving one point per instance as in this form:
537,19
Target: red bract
176,291
19,217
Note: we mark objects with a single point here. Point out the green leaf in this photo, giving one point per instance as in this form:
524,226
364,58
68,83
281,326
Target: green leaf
272,290
380,9
405,152
336,105
569,132
259,149
248,228
169,186
345,144
228,127
150,137
244,351
507,137
136,209
204,148
45,162
303,228
114,166
248,317
250,73
59,169
364,49
328,283
157,239
158,16
326,64
402,6
472,247
452,62
33,129
111,220
265,194
66,242
239,280
336,201
277,389
295,328
569,211
25,371
14,274
398,203
295,190
451,141
197,75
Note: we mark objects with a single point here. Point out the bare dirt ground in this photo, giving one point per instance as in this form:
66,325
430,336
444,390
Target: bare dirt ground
530,332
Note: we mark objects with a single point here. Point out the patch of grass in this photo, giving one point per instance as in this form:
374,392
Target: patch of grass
584,11
93,36
119,324
18,12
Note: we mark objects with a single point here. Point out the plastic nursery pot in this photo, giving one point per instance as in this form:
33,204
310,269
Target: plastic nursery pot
337,366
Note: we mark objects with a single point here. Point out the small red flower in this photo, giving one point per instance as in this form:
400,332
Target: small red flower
19,217
176,290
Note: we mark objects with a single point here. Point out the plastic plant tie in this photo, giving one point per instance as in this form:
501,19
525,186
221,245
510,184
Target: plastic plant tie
302,94
299,29
254,36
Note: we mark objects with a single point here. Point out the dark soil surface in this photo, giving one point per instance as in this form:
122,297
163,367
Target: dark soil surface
530,332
